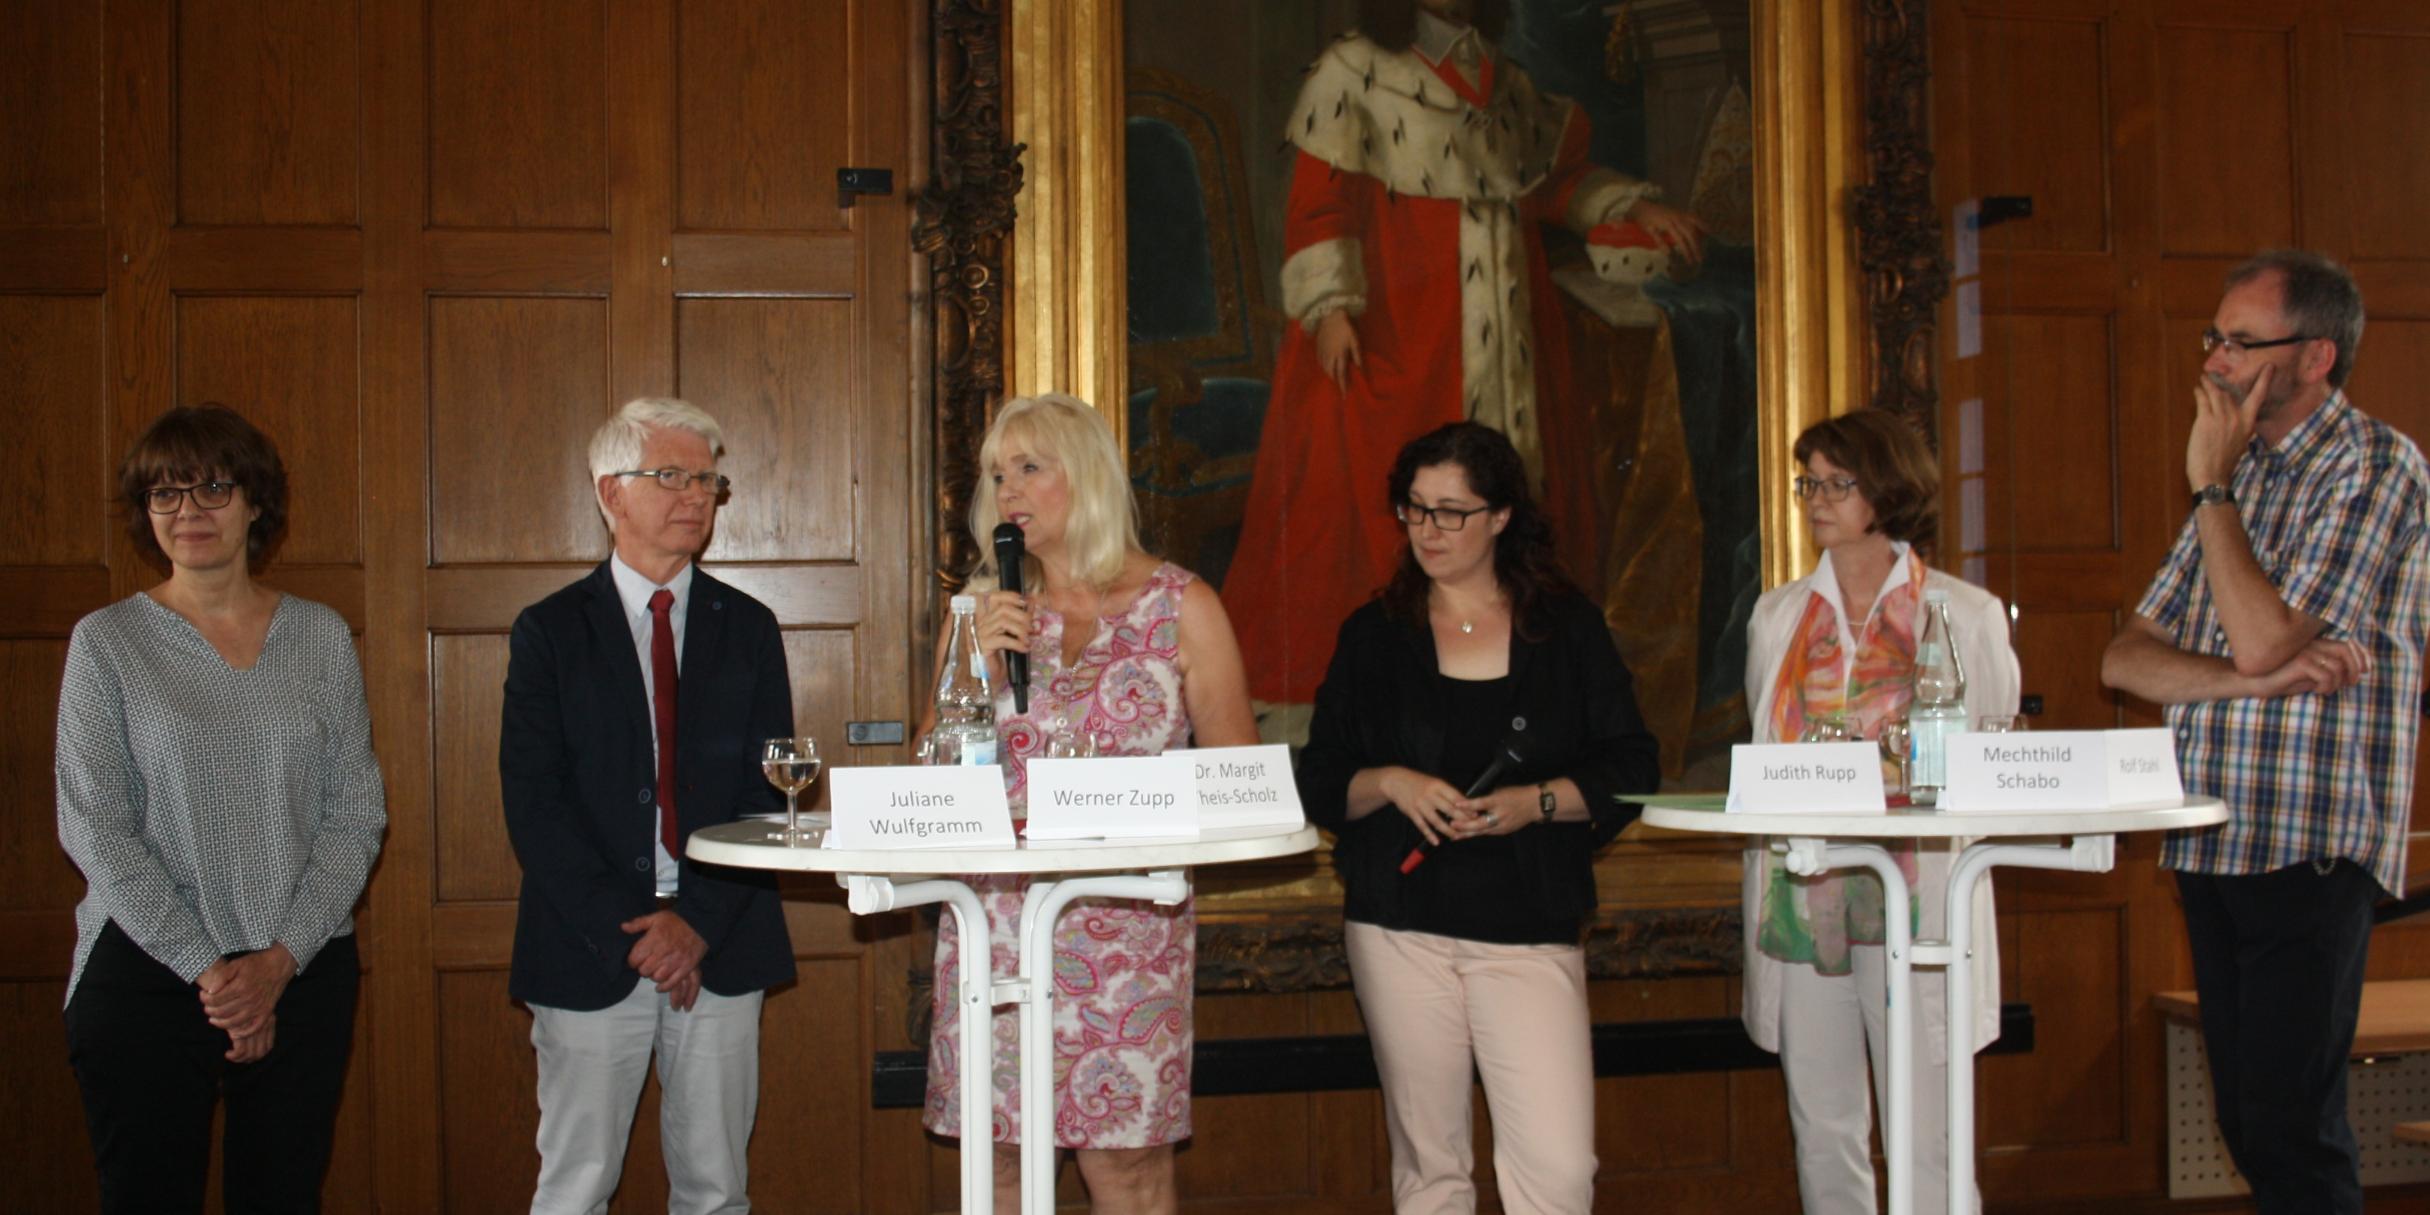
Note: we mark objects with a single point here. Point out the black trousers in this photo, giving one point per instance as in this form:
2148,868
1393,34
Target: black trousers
151,1067
2278,959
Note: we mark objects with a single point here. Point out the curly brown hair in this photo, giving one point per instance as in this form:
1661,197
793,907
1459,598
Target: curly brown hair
1897,473
193,443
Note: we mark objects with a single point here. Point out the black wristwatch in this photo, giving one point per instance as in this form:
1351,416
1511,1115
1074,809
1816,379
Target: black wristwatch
1544,801
2214,495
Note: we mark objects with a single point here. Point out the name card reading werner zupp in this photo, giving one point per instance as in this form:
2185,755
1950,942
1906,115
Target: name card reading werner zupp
1806,778
919,807
1241,787
1129,797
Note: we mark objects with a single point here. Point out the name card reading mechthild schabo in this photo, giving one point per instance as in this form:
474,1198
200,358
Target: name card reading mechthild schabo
942,806
1806,778
1246,787
1126,797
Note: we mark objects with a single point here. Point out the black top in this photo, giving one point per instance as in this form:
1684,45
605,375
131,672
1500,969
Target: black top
1568,704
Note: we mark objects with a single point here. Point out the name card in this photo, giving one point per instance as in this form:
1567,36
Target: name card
1806,778
919,807
1246,787
1126,797
2061,770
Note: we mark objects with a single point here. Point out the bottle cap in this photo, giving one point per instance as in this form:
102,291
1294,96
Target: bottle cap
966,603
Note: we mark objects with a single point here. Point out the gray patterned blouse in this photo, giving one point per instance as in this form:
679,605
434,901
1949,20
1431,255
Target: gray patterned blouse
212,810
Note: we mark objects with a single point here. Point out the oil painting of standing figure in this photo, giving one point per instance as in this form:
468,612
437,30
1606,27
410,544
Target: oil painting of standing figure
1461,240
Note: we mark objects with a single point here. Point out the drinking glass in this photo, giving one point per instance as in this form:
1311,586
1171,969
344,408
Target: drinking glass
790,764
1896,743
1999,723
1825,727
1068,743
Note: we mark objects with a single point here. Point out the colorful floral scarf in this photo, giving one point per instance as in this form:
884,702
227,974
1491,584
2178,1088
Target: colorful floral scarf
1815,919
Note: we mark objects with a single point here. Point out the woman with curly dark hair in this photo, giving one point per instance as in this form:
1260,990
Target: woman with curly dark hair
1473,739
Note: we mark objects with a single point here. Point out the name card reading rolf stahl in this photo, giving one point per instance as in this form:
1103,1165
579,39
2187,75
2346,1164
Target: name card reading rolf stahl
1806,778
2061,770
1125,797
1241,787
919,807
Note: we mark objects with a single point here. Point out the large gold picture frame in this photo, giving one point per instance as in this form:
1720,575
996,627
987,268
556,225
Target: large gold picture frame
1022,225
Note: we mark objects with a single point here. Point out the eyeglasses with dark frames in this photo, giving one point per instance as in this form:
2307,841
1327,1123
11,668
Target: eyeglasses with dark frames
2212,340
1832,489
1444,518
675,480
169,499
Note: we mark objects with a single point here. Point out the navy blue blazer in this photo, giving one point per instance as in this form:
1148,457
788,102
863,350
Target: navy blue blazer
579,780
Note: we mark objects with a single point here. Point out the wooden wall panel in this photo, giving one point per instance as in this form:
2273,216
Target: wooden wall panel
2038,98
813,1097
488,1108
269,105
820,663
518,114
516,388
35,874
751,78
55,466
2071,966
2384,91
50,112
473,857
42,1122
290,364
769,370
2060,652
2389,372
2226,134
2055,482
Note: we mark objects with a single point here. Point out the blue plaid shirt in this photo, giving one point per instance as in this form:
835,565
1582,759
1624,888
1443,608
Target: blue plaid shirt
2335,513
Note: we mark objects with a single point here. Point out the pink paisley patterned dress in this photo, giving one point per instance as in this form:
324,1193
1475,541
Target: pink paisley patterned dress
1123,969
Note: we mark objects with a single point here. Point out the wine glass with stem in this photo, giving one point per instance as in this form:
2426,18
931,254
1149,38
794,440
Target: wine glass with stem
791,764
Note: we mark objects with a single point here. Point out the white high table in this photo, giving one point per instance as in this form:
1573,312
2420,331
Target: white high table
2080,840
886,879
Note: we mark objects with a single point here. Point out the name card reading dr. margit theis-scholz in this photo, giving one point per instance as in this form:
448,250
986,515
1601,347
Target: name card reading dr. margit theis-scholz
1241,787
1806,778
1118,798
943,806
2061,770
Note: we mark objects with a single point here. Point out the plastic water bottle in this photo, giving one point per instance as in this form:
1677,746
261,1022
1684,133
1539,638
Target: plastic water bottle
966,701
1938,707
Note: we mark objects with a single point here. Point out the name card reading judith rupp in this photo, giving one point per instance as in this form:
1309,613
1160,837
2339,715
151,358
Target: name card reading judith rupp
2061,770
1240,787
1124,797
1806,778
941,806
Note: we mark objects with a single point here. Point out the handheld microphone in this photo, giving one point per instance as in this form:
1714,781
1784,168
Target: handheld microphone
1505,757
1009,555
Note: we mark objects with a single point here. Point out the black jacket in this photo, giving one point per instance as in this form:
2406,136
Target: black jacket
578,778
1575,712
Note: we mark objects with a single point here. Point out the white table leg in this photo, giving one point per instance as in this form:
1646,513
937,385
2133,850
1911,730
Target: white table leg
2085,854
869,895
1039,910
1809,857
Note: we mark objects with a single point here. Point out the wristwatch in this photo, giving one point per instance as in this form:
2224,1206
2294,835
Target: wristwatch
1544,801
2214,495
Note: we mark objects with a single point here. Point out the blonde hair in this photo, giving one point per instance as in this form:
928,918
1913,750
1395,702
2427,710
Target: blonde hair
1103,530
616,445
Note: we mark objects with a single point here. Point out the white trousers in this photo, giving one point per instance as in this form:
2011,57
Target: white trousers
592,1065
1434,1006
1829,1026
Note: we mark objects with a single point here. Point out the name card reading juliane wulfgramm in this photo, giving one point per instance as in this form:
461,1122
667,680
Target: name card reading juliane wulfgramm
919,807
1125,797
1243,787
1806,778
2061,770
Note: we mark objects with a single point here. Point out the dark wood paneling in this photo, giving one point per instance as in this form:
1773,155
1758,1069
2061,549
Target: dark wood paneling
2384,91
473,858
516,388
288,363
2054,462
268,107
814,1078
54,470
2071,966
2060,653
323,260
717,263
42,1121
820,662
35,873
2038,108
486,600
753,78
518,114
768,370
2227,152
2389,371
516,263
488,1107
64,260
50,112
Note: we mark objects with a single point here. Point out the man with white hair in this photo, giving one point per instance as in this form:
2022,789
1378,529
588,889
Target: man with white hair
636,700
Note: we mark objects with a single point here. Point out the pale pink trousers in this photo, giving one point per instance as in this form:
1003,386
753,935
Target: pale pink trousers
1435,1007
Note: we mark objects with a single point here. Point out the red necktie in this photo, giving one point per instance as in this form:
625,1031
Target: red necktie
662,704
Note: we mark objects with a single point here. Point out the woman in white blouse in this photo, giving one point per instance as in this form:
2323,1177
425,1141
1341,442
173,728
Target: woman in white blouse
216,786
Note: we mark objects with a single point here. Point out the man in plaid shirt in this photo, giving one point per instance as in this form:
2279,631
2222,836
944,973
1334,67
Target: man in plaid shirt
2284,634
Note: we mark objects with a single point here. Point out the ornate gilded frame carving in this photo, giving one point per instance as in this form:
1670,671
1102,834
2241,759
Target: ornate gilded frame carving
1850,274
